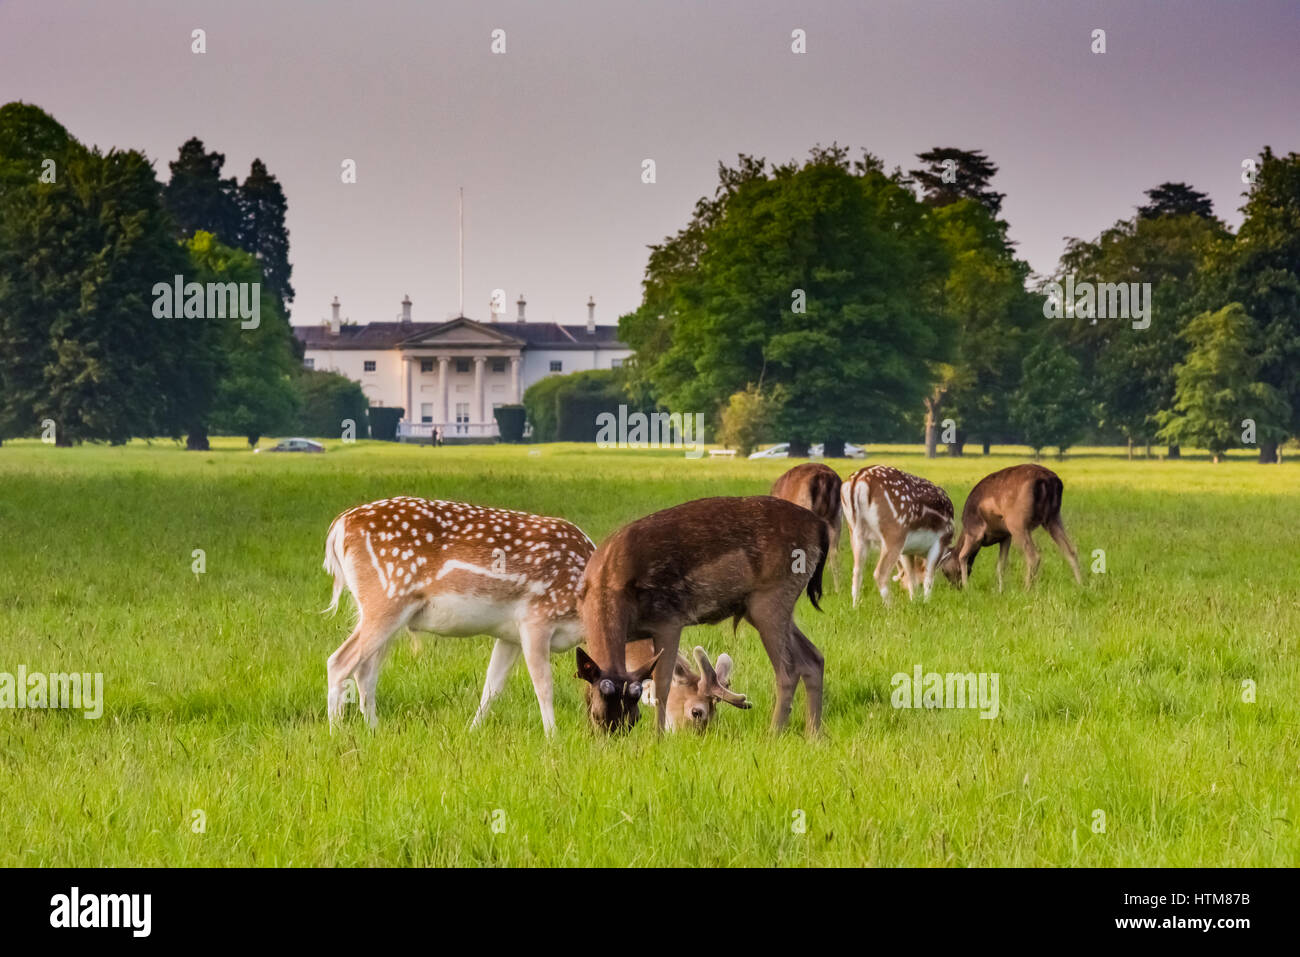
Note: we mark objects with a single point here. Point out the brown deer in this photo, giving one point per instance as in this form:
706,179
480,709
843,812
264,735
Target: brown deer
817,488
700,563
907,516
456,570
694,695
1006,507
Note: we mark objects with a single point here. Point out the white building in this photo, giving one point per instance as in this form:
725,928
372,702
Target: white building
452,374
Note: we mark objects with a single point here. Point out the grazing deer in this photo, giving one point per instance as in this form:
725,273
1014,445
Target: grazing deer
817,488
1006,507
908,516
455,570
694,695
700,563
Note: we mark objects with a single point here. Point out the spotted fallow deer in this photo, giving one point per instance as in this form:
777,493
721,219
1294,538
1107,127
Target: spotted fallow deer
700,563
907,516
1006,507
817,488
456,570
693,698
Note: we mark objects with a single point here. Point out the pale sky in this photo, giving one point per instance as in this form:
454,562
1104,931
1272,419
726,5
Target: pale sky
548,138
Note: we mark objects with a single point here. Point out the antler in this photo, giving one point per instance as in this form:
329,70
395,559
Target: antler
715,682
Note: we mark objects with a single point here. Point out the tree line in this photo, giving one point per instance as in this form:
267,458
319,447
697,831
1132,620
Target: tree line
831,300
87,238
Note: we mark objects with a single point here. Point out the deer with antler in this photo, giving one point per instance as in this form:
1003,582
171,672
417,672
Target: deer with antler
700,563
456,570
693,698
908,516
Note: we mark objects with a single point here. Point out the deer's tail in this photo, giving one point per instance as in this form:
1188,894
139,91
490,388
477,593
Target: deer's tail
1047,499
334,562
815,582
824,492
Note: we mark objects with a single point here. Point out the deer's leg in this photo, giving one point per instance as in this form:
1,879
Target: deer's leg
367,641
774,625
859,560
907,574
1004,549
504,656
1025,542
833,554
931,563
968,548
535,636
367,679
889,555
811,667
666,643
1056,529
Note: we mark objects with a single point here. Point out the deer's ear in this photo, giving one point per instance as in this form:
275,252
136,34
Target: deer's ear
642,673
588,670
724,669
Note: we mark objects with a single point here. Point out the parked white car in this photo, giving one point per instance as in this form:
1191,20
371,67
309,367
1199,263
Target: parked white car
782,451
294,445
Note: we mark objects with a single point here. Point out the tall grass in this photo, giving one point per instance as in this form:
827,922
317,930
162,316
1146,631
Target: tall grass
1124,697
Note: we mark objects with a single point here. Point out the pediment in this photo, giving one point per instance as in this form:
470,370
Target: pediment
461,332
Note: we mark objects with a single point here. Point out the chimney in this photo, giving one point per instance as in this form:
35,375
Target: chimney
335,322
520,303
406,308
591,316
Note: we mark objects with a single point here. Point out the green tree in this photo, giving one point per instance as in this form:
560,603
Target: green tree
254,394
79,258
197,196
950,175
262,210
1131,369
1051,406
993,315
1176,199
820,280
1260,269
325,400
747,419
1218,393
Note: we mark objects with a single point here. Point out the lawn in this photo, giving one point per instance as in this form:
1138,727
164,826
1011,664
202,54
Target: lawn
1123,736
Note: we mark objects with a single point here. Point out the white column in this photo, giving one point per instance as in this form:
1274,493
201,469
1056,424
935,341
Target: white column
479,363
514,380
440,406
406,376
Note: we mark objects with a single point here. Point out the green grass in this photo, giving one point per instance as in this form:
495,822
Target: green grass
1124,696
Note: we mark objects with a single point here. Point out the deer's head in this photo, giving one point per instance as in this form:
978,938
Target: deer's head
613,698
693,698
951,567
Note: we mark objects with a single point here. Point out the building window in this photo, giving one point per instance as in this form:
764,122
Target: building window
426,411
426,365
616,363
462,365
369,365
557,365
309,363
462,417
498,365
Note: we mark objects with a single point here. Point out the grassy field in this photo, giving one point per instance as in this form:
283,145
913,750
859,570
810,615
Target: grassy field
1124,697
